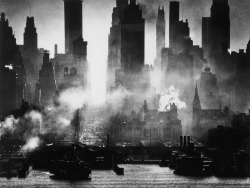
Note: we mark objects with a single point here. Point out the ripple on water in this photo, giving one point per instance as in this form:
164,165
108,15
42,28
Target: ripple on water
135,176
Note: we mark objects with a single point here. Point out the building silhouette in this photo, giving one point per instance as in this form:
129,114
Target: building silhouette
32,57
160,31
205,119
173,21
126,46
46,86
73,22
114,45
126,68
71,68
160,44
216,29
147,124
30,36
209,91
240,96
132,39
13,74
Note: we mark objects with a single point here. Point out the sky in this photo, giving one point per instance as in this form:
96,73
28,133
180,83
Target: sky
49,20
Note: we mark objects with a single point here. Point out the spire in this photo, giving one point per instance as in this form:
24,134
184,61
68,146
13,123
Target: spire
196,102
161,14
248,47
196,95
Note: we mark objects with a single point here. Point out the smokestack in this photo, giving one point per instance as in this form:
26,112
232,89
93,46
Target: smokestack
55,50
189,139
185,142
181,140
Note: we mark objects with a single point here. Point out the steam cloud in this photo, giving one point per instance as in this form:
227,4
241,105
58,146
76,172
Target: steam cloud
31,144
56,119
7,125
170,96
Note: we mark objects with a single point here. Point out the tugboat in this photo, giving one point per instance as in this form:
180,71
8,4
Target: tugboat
193,165
188,162
71,167
11,165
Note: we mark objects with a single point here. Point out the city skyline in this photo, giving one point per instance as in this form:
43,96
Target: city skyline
97,21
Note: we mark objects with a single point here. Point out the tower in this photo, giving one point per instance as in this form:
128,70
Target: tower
47,83
216,29
114,44
196,107
132,38
220,13
173,21
160,31
30,36
12,71
73,22
160,44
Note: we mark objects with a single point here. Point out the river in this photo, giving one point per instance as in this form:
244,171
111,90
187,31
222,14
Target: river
135,176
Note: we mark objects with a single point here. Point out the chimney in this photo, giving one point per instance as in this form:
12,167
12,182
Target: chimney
185,142
181,141
189,139
55,50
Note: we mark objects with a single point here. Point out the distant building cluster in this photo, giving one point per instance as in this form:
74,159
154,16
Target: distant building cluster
146,125
28,72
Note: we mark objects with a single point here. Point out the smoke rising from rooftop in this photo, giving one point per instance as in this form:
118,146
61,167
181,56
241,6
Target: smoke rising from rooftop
170,96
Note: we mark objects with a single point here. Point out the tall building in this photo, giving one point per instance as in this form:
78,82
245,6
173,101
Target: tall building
132,39
160,44
46,86
32,57
132,48
160,31
173,21
208,89
216,29
71,68
30,36
114,44
73,22
13,74
126,46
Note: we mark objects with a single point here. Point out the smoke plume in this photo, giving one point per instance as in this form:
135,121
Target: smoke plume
8,125
31,144
170,96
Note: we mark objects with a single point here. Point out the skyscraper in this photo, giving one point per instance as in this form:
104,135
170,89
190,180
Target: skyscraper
132,38
160,31
30,36
216,29
114,44
12,71
73,22
173,21
47,84
160,44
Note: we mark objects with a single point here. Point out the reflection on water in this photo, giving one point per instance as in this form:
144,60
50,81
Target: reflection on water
135,176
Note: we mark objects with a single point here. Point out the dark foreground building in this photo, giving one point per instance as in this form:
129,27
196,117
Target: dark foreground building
12,71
